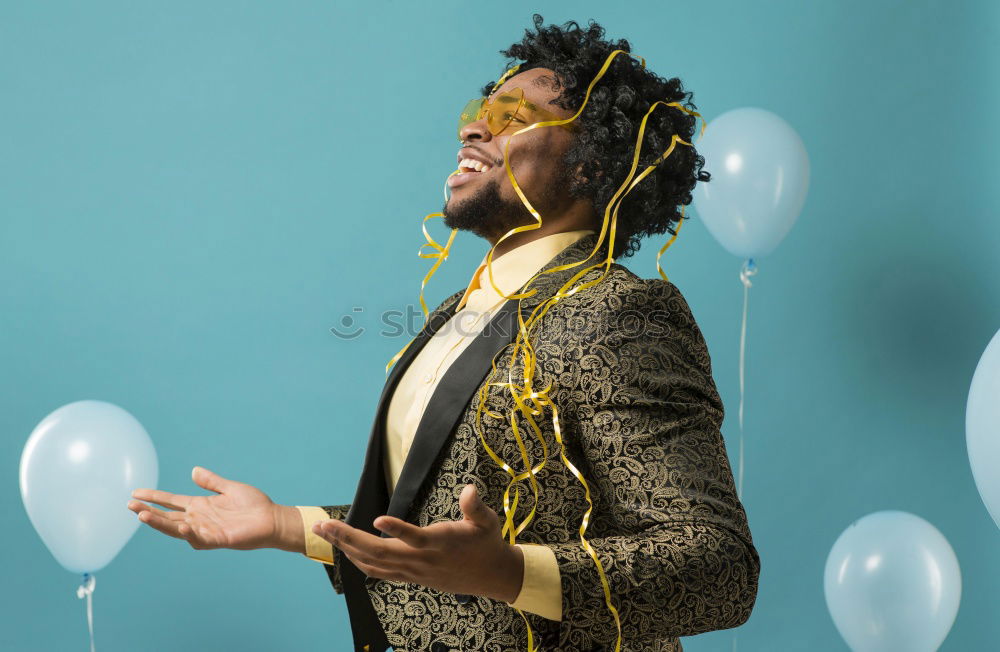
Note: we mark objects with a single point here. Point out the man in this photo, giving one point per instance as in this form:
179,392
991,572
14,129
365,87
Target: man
420,554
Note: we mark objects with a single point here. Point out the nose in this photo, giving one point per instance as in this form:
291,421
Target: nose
476,130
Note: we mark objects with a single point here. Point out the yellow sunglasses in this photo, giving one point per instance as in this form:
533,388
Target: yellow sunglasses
508,111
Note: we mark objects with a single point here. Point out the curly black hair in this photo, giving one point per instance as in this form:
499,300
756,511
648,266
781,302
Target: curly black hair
609,125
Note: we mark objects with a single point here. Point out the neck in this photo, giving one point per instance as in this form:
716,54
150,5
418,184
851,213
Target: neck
548,227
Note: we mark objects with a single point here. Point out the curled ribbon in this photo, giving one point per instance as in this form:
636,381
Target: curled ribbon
529,402
440,256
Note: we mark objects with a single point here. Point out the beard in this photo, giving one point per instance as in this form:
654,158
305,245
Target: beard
486,213
489,215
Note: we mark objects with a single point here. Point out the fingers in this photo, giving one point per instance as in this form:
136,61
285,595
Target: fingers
409,533
163,498
200,535
474,508
368,549
139,507
211,481
165,525
177,525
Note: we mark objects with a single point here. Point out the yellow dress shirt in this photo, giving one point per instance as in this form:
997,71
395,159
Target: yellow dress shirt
541,592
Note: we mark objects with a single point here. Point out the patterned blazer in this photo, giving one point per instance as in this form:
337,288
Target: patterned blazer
640,417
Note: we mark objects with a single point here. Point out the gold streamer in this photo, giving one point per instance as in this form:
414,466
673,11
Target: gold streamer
441,256
527,401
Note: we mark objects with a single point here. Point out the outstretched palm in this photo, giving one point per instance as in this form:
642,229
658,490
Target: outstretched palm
239,516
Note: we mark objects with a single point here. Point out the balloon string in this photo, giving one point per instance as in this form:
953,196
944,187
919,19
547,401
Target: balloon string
748,270
86,590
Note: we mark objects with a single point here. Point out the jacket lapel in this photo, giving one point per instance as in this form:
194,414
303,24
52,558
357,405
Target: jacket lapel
371,496
466,374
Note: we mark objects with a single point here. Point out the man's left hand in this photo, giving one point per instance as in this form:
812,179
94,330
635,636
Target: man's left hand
467,556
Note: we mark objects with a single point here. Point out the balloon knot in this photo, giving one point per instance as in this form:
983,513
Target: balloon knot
87,588
748,270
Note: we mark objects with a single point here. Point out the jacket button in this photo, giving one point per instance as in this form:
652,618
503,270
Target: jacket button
462,598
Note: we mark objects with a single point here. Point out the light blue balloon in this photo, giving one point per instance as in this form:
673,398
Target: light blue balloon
982,427
78,470
892,583
760,178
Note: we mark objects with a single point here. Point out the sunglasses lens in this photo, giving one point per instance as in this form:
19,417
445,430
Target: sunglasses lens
469,114
503,109
499,113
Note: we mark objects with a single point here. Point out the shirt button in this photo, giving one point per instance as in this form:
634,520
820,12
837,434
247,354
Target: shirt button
428,378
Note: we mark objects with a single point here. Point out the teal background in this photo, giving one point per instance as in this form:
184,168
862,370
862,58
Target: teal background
192,194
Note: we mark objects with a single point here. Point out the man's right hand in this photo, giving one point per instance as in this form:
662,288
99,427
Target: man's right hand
239,516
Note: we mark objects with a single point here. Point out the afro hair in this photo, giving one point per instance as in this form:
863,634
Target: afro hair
609,124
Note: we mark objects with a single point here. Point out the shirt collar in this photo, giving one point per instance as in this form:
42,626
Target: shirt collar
513,269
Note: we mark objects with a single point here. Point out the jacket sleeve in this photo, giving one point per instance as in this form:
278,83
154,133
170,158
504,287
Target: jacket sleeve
318,548
674,540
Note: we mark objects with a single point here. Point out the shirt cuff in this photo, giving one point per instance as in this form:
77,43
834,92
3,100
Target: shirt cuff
317,548
541,591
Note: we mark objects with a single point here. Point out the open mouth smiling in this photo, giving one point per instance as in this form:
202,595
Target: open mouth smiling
468,165
468,169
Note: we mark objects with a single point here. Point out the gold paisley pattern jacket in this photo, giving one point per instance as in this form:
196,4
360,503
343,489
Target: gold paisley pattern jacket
640,419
